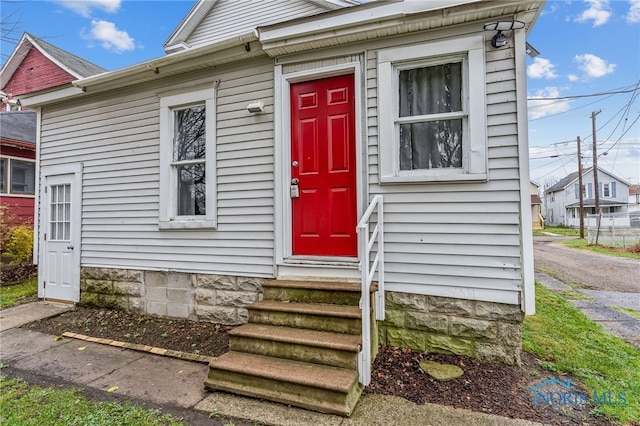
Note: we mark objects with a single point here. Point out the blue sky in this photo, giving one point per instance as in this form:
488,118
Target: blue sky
587,47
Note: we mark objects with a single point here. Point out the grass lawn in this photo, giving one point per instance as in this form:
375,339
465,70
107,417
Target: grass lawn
630,312
10,294
583,244
23,404
570,232
570,343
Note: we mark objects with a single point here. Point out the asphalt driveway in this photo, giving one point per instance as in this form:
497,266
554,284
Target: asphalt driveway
586,270
606,282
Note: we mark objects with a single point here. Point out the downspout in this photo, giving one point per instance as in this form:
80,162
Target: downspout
36,204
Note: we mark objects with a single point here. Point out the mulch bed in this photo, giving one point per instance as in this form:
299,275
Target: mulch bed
202,338
485,387
14,274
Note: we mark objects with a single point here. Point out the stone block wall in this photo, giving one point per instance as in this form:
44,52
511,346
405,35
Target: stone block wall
216,298
485,330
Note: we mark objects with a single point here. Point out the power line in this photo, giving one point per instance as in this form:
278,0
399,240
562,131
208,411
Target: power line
612,92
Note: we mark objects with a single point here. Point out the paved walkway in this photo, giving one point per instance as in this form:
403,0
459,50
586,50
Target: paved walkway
163,380
598,306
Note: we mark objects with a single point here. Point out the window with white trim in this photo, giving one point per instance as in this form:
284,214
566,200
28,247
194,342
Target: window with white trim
432,113
17,176
187,160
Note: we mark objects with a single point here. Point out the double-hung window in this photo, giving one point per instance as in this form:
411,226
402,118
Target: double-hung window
432,115
187,160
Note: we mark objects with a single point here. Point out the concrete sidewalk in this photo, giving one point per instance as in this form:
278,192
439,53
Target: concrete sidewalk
598,306
163,380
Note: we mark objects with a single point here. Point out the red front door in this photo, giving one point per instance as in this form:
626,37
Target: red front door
323,160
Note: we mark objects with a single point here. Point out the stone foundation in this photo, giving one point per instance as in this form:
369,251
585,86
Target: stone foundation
216,298
485,330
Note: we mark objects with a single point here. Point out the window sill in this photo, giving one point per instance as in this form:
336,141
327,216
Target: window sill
187,225
4,194
435,178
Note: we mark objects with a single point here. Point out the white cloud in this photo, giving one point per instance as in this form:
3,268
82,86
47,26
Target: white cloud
541,68
573,77
633,16
110,37
85,7
598,12
539,106
593,66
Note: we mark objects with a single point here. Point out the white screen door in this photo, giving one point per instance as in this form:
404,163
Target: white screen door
60,261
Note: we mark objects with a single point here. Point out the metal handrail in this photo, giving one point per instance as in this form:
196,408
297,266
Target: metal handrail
366,241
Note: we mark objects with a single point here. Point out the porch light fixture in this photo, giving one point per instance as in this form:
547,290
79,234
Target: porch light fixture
499,39
257,106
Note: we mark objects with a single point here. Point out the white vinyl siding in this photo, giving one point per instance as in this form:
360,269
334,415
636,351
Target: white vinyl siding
235,17
457,239
117,140
454,239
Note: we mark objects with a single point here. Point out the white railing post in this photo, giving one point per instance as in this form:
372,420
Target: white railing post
366,239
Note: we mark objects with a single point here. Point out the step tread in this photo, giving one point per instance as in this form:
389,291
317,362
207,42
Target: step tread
344,311
323,339
301,373
314,285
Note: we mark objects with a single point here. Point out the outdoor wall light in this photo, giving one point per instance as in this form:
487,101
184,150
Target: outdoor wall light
257,106
499,39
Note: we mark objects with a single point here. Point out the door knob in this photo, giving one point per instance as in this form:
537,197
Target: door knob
294,164
70,247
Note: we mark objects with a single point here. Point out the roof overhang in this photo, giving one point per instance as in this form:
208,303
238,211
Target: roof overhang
591,203
17,144
375,20
346,25
231,50
177,40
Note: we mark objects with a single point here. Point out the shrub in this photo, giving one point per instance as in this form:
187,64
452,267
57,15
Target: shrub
17,244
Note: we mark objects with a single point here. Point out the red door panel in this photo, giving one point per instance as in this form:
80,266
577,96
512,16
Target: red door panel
323,147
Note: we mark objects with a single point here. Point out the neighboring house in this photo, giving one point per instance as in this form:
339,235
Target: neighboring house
634,199
537,221
562,200
17,166
240,166
34,65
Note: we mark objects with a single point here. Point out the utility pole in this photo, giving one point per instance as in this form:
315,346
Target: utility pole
595,160
595,172
580,189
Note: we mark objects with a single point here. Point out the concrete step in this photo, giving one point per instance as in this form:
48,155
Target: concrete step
318,347
313,316
335,293
316,387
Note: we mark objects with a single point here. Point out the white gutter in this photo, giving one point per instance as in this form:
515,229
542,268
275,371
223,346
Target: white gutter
137,73
31,100
170,59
